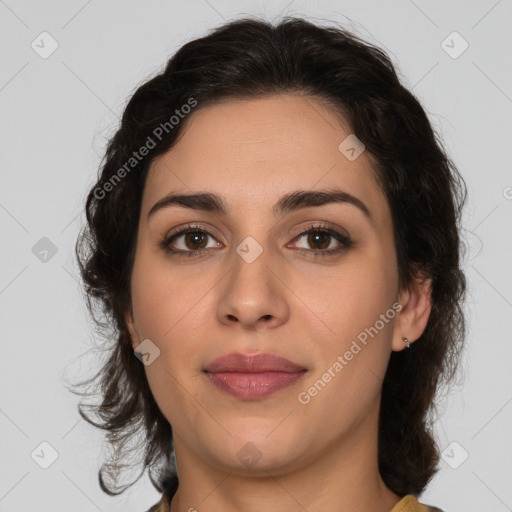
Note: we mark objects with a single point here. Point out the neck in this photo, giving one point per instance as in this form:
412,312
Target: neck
343,477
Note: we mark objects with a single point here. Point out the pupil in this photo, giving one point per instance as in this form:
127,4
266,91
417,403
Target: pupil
194,237
323,236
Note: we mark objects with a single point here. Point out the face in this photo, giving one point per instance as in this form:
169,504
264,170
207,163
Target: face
248,280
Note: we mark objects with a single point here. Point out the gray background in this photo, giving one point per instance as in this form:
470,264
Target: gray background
56,114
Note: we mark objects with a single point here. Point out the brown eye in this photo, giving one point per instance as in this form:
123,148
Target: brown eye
195,240
191,240
320,238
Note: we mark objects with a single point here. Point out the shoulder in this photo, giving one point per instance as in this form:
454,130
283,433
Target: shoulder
161,506
410,503
170,486
158,507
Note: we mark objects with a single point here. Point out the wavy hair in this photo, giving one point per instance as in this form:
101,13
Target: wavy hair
249,58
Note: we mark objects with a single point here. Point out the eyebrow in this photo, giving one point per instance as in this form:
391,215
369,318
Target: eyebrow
209,202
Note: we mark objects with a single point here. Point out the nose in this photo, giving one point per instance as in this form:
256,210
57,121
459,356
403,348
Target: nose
253,295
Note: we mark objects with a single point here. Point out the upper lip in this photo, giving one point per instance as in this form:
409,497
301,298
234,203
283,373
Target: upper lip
256,363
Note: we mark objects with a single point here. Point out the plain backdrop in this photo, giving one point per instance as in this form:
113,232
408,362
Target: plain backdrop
58,110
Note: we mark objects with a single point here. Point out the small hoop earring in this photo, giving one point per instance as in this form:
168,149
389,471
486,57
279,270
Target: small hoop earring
406,340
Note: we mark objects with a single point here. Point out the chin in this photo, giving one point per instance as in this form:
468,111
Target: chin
263,450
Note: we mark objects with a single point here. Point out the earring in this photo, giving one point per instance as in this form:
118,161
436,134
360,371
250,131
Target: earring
406,340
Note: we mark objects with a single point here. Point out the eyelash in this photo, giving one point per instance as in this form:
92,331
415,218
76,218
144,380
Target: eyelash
344,240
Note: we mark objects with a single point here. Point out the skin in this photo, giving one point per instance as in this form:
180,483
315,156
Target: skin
316,456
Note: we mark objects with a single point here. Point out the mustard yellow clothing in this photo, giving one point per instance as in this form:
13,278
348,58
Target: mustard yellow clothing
408,503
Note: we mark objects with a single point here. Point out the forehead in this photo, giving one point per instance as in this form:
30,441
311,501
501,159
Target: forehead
256,150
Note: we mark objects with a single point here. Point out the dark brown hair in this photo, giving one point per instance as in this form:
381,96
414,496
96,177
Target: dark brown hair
252,58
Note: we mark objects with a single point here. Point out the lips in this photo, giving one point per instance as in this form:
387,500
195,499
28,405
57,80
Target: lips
257,363
252,376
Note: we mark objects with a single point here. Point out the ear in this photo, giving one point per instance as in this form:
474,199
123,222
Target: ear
413,317
132,329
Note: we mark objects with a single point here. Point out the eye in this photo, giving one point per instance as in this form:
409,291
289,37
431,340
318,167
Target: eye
321,237
190,240
193,240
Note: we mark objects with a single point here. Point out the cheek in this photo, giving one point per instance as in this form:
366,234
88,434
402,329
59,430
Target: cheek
160,297
165,306
350,302
169,308
351,297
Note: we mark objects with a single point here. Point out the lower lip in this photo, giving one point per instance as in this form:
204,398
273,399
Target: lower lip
252,386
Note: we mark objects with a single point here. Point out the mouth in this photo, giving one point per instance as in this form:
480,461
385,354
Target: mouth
252,377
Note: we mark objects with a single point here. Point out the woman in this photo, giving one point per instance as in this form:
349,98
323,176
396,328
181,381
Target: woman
274,240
